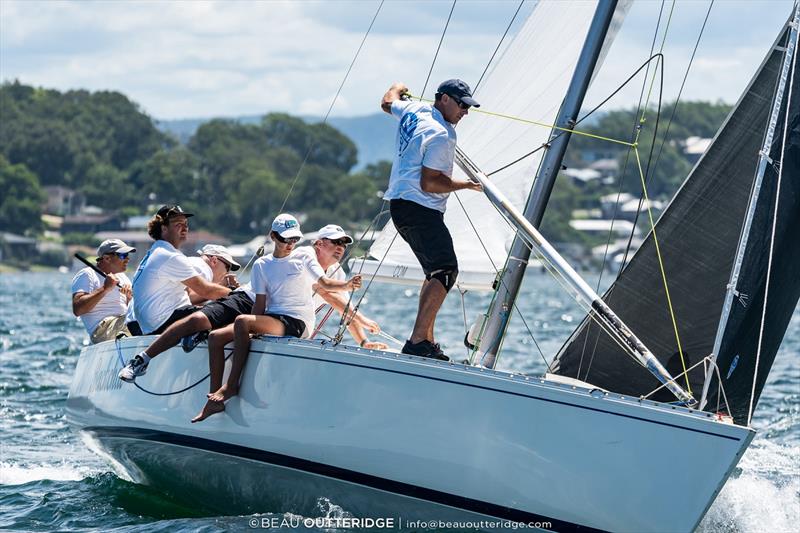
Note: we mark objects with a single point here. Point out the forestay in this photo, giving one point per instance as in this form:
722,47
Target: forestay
528,80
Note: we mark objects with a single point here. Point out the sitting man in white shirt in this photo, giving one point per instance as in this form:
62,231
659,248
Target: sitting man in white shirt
102,303
328,249
214,262
159,284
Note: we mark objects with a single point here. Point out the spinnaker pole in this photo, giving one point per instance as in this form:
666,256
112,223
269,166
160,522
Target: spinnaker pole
511,277
607,317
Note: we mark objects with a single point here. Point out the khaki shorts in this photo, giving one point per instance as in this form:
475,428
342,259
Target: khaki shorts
109,328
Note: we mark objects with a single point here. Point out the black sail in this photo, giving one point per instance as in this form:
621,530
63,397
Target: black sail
698,235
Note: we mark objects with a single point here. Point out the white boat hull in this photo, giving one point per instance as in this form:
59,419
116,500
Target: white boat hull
387,435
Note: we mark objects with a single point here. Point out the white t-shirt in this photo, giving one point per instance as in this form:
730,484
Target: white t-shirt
113,303
424,138
201,267
334,272
287,283
157,287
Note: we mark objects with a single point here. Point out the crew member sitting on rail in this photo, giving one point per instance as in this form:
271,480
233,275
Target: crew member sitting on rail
214,262
102,303
328,250
160,282
284,305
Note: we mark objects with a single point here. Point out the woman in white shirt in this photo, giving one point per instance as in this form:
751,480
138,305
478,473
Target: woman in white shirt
284,303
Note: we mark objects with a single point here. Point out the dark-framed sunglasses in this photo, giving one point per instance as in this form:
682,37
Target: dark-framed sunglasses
290,240
227,266
339,242
461,104
122,256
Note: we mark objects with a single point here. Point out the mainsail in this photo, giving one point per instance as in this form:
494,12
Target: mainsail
698,236
529,80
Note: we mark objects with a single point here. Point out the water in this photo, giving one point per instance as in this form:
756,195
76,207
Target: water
50,481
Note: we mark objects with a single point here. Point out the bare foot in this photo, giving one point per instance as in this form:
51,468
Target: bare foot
210,408
224,393
371,345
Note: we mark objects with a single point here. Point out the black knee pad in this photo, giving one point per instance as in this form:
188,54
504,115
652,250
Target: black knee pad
446,277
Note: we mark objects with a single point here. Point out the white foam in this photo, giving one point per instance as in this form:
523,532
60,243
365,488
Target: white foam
14,474
764,495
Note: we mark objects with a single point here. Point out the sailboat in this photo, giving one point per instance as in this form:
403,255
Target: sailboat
382,434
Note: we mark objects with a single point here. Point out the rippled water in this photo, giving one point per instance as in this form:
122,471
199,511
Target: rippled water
50,481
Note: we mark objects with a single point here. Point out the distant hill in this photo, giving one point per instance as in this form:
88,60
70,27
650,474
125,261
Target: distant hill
372,134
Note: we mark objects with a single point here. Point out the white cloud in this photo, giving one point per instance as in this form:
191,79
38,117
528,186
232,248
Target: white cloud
190,59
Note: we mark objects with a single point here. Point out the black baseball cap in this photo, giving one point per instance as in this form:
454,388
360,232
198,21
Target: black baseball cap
458,90
167,211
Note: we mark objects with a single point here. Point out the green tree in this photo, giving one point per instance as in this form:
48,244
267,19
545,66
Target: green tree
22,198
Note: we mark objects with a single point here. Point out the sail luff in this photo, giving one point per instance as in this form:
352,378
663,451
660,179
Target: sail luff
582,289
512,275
764,159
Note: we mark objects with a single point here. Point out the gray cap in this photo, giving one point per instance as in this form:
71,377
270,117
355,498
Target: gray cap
113,246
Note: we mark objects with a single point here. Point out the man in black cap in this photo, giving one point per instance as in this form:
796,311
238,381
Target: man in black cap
161,280
419,185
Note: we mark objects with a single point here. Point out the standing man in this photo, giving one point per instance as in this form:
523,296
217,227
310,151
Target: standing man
159,284
419,185
102,303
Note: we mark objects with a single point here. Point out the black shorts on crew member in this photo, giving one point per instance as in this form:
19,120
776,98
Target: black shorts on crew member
223,311
178,314
424,230
293,327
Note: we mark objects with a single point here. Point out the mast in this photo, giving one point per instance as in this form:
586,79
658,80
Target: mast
763,160
511,277
604,315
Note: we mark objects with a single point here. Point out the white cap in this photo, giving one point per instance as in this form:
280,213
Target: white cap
220,251
286,226
333,232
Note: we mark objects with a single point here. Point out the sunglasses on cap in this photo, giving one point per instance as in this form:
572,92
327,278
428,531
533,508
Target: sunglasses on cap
339,242
290,240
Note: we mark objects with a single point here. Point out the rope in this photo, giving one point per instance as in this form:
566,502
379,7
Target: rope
330,108
436,55
173,393
790,47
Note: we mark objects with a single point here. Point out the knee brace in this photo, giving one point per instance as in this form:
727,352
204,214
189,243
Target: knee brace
446,277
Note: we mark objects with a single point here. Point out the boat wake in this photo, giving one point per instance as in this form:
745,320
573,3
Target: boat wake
762,495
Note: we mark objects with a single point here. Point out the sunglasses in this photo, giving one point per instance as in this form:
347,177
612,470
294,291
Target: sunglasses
339,242
461,104
290,240
122,256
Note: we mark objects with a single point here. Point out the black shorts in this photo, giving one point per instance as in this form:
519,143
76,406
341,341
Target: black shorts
424,231
223,311
294,327
181,312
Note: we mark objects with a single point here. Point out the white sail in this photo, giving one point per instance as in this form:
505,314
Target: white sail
528,81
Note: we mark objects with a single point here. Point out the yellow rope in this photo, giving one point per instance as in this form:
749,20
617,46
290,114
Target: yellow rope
661,266
536,123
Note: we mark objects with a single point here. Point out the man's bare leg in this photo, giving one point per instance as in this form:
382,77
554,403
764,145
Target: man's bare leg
242,328
175,332
431,297
217,340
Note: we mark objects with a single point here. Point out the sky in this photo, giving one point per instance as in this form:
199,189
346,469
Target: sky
202,59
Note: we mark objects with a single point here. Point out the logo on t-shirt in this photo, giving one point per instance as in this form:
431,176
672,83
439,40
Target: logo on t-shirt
408,124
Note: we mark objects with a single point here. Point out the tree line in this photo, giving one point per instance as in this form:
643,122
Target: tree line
235,176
